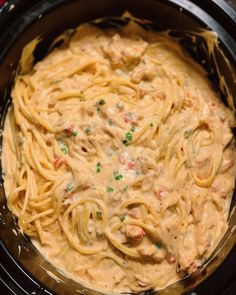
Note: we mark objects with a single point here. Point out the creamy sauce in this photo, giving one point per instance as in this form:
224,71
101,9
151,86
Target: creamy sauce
119,159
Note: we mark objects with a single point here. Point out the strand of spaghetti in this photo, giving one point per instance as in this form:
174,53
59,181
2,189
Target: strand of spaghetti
40,231
27,194
79,68
121,262
169,151
42,172
43,205
179,164
67,95
43,145
143,202
76,245
14,194
40,215
130,252
206,182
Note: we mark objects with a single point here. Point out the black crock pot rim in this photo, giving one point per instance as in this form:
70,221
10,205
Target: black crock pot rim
192,9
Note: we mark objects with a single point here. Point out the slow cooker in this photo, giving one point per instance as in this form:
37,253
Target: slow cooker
23,269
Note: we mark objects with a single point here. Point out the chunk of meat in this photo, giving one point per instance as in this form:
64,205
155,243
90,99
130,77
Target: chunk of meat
134,212
150,251
122,51
203,163
227,161
144,71
135,232
222,185
144,164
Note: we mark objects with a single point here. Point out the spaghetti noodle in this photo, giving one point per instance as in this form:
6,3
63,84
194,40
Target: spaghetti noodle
119,160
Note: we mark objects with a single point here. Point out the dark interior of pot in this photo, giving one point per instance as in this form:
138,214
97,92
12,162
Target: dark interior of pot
50,18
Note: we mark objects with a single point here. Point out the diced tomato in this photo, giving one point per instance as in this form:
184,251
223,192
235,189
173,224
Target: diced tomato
58,161
69,130
135,232
159,194
131,165
126,119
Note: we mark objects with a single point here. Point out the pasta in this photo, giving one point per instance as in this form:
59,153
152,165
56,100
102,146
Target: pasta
119,160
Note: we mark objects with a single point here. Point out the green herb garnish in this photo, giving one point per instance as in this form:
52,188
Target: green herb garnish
158,245
69,187
101,102
110,189
64,149
122,217
132,129
151,124
117,175
99,111
128,138
98,167
99,215
110,122
74,133
125,142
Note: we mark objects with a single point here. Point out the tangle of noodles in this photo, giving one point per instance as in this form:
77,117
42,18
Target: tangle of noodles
119,160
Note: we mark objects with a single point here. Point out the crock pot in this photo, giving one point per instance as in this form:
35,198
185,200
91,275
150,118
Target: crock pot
23,269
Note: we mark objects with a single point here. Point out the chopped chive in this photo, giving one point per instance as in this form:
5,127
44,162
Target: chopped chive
101,102
117,175
122,217
125,142
158,245
69,187
188,132
110,189
129,136
132,129
98,167
151,124
75,133
99,215
64,149
110,122
99,111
